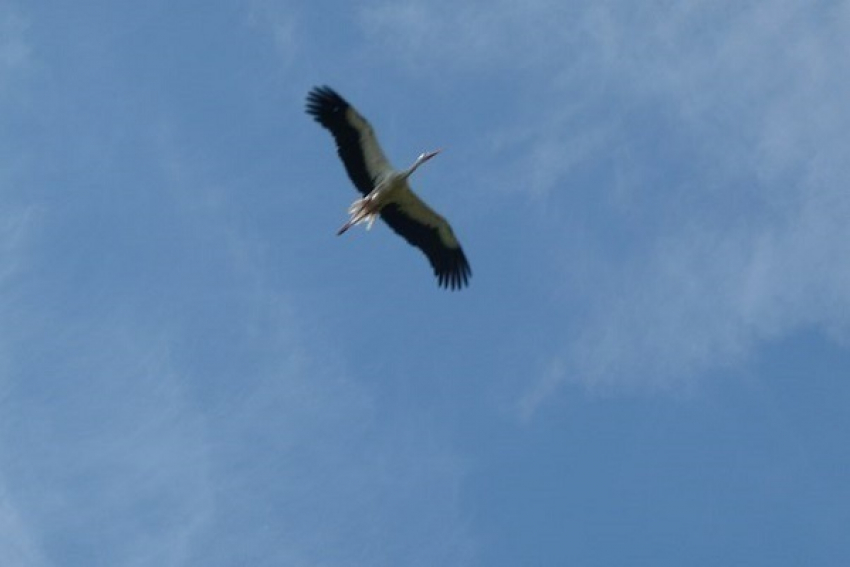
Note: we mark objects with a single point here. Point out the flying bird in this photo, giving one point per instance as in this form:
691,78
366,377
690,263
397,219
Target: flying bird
385,190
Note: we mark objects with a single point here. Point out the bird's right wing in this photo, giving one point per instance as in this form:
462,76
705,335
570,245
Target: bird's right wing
412,219
355,140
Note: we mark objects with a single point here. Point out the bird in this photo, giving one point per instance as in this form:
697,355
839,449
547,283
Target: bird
385,190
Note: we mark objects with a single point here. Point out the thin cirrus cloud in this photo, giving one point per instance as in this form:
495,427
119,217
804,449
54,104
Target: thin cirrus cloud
174,387
228,439
17,546
756,253
14,50
733,208
160,405
18,542
259,452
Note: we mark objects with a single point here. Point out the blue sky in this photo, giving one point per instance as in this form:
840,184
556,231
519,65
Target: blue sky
650,365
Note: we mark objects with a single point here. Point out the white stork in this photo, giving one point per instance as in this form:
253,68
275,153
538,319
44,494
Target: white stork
385,190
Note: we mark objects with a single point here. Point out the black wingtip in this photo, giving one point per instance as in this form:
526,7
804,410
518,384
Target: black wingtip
455,273
323,103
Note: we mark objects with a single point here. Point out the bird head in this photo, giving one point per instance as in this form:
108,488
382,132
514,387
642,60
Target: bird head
419,161
427,155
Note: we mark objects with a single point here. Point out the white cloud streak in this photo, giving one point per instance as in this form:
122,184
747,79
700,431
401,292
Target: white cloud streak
166,409
762,97
15,53
740,212
16,541
280,23
106,456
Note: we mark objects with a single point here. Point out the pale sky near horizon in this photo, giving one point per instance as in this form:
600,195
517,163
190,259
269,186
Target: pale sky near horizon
651,364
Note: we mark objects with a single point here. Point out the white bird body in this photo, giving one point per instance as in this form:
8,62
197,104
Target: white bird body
386,192
391,186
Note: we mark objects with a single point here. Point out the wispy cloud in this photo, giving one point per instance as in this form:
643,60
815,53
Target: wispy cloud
15,53
15,226
104,452
164,407
729,212
464,36
755,252
17,546
279,21
19,542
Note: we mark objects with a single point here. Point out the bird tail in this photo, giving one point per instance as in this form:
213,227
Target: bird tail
361,210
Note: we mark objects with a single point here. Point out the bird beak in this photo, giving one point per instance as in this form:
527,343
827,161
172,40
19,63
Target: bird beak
429,155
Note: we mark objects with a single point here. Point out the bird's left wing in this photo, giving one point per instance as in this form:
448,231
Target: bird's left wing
421,226
356,142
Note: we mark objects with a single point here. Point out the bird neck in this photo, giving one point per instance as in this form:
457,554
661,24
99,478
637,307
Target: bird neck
412,168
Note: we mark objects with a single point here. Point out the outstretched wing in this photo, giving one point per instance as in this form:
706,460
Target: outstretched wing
417,223
355,140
